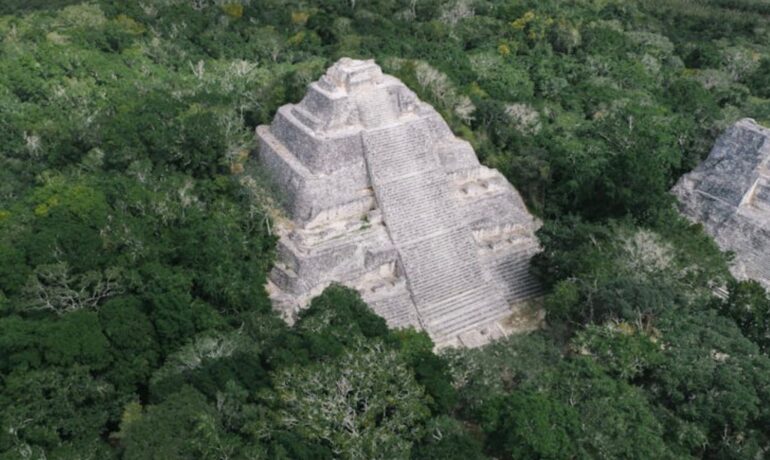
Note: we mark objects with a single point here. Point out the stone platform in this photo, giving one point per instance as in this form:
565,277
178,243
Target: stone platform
384,198
729,194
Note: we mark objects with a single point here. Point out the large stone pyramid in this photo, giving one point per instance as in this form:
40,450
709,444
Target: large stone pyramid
384,198
729,194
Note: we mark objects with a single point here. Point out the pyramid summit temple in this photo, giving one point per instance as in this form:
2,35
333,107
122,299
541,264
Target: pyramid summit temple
383,197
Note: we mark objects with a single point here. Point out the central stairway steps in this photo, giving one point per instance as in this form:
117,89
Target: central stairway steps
464,312
441,266
511,268
436,248
397,310
398,150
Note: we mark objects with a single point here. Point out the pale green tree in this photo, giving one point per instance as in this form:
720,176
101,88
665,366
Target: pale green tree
366,404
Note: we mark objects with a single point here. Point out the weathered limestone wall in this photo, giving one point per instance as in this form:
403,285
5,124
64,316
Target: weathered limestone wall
729,193
384,198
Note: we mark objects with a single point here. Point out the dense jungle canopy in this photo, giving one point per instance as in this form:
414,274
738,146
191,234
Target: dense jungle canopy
135,233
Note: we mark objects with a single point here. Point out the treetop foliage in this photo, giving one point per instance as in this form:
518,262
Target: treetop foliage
136,234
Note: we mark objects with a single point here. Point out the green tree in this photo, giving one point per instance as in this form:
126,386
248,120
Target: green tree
759,81
527,424
164,431
366,403
749,305
622,350
446,439
616,419
431,371
47,408
133,345
711,386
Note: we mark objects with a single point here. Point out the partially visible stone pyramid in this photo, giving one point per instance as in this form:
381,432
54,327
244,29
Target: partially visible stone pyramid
384,198
729,194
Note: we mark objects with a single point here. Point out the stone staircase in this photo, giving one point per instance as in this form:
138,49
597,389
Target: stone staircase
399,151
437,252
397,308
415,207
512,269
461,313
441,266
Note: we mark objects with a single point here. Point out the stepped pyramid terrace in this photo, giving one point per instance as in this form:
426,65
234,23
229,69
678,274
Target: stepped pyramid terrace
384,198
729,194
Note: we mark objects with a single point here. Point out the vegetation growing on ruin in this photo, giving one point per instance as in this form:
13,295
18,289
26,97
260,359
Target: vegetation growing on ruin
135,234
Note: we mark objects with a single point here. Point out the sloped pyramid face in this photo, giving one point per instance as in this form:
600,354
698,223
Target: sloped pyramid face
729,194
385,199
